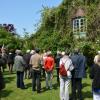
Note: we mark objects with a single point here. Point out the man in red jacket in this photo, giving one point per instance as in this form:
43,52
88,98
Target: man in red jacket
49,66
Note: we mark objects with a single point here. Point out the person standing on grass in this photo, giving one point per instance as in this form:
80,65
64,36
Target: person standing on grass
79,72
10,60
65,76
19,66
95,75
32,52
43,56
4,57
57,60
27,57
2,83
35,62
49,66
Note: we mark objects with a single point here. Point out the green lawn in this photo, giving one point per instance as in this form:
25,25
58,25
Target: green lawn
12,93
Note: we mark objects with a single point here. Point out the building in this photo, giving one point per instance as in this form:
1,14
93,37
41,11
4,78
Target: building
79,23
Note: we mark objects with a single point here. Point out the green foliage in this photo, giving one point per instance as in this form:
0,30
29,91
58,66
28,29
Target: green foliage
27,42
55,31
89,52
9,40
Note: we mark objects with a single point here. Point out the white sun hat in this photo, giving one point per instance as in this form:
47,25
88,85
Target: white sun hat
63,53
27,51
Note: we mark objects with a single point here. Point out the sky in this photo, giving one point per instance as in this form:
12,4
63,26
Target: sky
24,14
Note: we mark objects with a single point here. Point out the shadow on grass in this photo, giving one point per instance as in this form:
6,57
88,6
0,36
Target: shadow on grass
5,93
87,94
55,86
8,73
85,85
29,85
44,89
8,79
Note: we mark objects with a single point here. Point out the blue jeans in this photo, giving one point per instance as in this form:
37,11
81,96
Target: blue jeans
20,82
49,80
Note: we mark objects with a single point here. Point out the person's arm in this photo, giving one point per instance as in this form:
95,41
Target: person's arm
23,62
30,62
45,62
68,65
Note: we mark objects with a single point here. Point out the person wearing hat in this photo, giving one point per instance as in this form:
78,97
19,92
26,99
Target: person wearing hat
2,83
19,66
65,76
57,60
49,66
26,57
32,52
10,60
43,56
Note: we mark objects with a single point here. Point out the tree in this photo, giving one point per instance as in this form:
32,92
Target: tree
56,24
9,40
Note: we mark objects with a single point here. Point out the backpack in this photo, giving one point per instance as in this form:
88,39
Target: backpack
62,70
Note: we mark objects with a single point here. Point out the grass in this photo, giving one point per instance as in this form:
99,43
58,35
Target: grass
12,93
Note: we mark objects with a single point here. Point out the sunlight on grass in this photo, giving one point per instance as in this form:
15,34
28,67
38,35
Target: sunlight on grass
12,93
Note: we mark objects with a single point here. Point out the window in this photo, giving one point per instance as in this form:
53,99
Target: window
80,26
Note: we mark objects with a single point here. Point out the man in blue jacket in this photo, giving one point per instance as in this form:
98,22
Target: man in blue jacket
79,62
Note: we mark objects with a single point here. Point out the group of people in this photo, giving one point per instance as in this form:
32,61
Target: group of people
71,69
75,66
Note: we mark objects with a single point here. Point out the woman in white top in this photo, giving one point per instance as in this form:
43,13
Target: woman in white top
65,80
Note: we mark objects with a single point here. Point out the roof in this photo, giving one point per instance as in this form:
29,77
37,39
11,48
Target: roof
79,13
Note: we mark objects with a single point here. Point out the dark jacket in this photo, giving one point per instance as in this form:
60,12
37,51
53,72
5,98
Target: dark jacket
95,75
2,61
5,57
57,60
27,57
79,62
11,57
2,83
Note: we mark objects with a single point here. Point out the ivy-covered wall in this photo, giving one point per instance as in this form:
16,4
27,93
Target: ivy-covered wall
55,31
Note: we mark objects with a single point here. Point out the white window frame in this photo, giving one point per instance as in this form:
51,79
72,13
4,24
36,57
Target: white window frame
78,27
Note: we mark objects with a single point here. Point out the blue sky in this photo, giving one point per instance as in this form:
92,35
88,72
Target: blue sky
23,13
